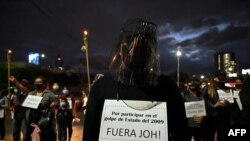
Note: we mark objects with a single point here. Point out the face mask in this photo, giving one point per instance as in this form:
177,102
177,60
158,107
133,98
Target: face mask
39,86
192,88
15,90
63,104
65,92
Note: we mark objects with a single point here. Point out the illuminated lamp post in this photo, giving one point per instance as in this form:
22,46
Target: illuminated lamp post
9,52
178,54
85,49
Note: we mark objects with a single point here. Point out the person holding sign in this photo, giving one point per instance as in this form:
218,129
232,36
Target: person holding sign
245,100
64,119
71,107
20,93
236,106
218,111
56,89
191,95
40,103
135,102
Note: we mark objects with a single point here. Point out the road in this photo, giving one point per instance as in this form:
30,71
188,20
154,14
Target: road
77,130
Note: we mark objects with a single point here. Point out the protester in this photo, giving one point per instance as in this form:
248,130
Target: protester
57,92
20,93
245,100
194,123
84,102
134,69
56,89
3,106
43,116
218,111
64,119
70,105
203,85
235,108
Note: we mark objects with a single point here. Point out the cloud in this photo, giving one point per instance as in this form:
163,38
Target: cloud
203,39
205,22
214,37
230,34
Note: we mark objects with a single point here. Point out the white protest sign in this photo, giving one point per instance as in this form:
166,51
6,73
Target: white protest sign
237,97
195,108
124,123
12,114
2,113
70,102
236,94
239,103
32,101
226,94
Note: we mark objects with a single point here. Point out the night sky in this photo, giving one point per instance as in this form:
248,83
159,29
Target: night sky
54,27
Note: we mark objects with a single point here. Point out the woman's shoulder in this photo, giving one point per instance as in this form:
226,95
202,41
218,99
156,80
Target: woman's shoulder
49,93
165,78
106,80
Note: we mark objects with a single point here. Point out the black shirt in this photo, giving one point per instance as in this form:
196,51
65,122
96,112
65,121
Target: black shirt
165,91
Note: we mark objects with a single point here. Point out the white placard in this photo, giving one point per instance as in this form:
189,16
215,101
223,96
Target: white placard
236,93
124,123
239,103
195,108
2,113
226,94
70,102
12,114
32,101
237,97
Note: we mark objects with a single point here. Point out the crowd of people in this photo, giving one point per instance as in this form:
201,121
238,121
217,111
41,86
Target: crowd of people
57,109
221,112
134,76
53,116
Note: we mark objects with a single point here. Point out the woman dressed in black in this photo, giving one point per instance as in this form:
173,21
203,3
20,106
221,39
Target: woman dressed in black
134,68
194,123
218,112
245,100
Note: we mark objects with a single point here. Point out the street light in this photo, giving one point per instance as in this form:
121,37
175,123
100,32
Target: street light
202,77
85,49
9,52
43,55
178,54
